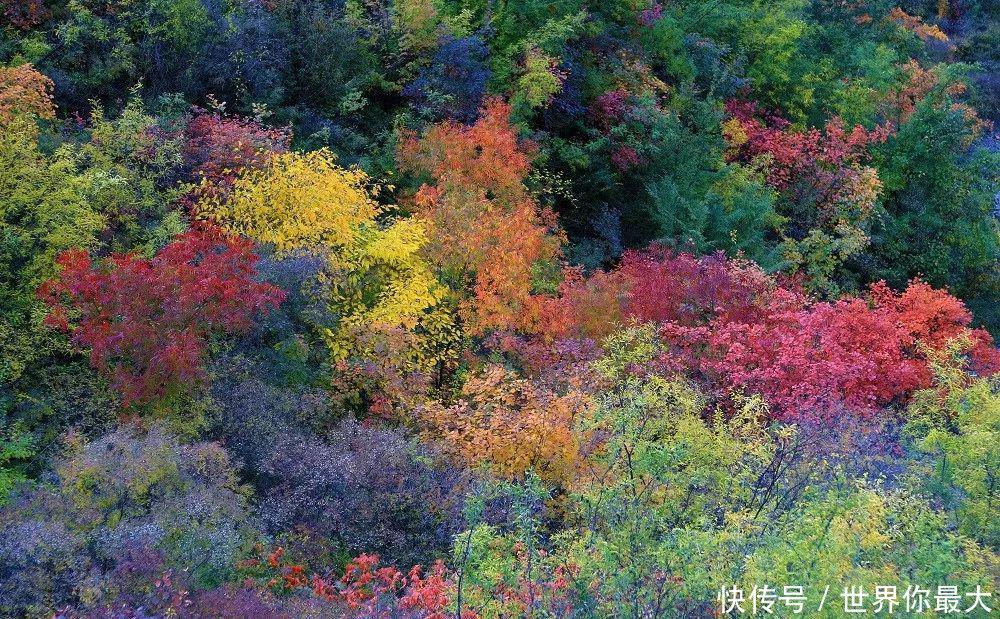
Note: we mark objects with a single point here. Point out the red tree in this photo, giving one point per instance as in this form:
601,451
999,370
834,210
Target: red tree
668,287
820,158
23,14
934,317
728,324
814,360
732,325
827,195
367,588
216,148
146,322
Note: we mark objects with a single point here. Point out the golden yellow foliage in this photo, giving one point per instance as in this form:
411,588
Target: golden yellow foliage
512,425
380,279
306,202
297,201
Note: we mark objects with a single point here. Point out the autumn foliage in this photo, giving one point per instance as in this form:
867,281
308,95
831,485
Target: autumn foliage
921,86
926,32
23,14
24,92
735,327
585,306
367,587
498,310
738,328
511,425
485,226
812,359
295,202
823,158
147,321
376,279
217,148
827,191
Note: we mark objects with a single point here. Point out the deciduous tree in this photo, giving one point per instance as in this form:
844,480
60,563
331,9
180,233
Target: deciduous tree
510,425
146,322
485,226
24,92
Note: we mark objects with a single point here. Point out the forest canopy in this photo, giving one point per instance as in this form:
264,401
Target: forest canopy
474,309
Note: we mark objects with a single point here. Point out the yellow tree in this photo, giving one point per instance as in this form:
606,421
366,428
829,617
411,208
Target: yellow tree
375,277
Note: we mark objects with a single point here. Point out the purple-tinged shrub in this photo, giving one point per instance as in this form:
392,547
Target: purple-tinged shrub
110,501
253,413
327,477
455,82
369,489
250,61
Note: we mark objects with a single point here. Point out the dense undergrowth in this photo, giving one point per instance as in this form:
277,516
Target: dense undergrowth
476,309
